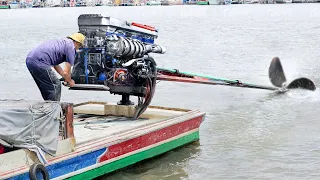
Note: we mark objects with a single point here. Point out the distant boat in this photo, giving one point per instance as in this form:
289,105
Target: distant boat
81,4
216,2
4,5
250,2
175,2
36,4
236,2
283,1
98,3
193,2
213,2
165,3
14,5
153,3
203,2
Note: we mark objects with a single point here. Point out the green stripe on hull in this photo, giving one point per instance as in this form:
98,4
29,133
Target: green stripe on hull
121,163
202,3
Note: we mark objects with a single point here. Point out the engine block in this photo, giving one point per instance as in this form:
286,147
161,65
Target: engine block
116,54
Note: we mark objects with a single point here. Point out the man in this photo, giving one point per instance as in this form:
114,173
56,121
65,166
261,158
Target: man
50,54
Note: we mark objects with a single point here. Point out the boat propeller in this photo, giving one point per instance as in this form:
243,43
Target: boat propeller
278,79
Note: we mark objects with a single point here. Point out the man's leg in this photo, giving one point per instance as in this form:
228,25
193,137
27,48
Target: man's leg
47,82
56,83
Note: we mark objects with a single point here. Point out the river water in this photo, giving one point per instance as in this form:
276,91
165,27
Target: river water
247,133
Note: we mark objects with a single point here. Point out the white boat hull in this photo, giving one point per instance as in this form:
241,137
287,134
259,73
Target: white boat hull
14,6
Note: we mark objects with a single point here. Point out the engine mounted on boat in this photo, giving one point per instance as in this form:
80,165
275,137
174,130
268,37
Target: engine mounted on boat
116,58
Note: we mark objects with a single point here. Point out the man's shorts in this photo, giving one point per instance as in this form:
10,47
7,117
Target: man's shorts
47,82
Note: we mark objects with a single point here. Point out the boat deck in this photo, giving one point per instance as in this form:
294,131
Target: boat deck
90,124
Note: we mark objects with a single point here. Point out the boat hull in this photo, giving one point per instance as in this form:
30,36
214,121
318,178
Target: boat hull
119,147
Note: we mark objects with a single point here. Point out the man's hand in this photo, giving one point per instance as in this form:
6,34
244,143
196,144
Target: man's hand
66,73
71,83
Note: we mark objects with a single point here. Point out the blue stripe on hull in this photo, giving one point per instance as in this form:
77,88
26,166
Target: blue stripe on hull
68,166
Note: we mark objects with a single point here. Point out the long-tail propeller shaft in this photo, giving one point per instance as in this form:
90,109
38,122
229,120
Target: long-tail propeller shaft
276,76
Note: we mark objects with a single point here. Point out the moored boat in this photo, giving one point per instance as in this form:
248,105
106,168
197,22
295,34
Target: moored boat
174,2
283,1
14,5
4,4
203,2
216,2
99,138
153,3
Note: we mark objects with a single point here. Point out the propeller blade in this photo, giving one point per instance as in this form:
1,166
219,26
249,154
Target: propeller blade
303,83
276,74
278,79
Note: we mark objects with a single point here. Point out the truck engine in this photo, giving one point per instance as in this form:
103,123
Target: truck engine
116,58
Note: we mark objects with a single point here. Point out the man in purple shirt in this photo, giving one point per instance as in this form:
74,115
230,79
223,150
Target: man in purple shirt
50,54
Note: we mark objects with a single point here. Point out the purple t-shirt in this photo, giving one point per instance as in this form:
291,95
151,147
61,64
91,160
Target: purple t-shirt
51,53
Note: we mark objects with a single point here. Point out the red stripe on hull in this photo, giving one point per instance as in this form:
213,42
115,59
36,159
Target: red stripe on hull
150,138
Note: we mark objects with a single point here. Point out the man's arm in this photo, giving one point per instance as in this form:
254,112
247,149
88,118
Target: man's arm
67,73
70,57
59,70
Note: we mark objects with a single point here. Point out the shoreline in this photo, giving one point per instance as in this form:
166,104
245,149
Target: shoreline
168,3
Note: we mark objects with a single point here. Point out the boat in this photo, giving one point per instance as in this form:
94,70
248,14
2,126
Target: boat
4,4
173,2
14,5
283,1
252,2
81,3
203,2
153,3
216,2
99,3
36,4
219,2
213,2
165,3
236,1
97,138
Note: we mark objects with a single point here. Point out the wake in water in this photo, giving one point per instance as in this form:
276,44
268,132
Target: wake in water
301,94
298,94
